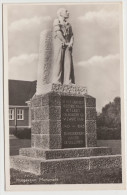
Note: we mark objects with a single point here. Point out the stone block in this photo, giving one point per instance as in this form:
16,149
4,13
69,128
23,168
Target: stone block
90,102
55,126
53,168
64,153
32,114
65,89
55,141
90,126
45,127
54,100
90,113
55,113
45,100
36,127
40,141
67,166
100,151
42,113
46,141
105,162
91,140
33,152
26,164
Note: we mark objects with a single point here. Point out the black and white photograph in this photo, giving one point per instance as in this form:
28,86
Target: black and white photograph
63,95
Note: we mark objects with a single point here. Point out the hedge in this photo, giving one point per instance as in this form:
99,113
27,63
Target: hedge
22,133
104,133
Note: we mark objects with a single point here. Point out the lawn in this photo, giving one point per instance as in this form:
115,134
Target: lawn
88,177
16,144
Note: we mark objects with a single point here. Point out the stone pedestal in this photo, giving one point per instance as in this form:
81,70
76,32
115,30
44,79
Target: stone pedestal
63,119
63,134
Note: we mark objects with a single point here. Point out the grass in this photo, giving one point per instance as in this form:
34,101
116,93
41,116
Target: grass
16,144
87,177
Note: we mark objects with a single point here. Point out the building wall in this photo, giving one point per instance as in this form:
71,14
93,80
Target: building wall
20,123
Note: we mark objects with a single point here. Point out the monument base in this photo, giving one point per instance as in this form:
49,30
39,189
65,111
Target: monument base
52,163
63,136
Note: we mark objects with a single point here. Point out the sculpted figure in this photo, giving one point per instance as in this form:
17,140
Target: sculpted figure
63,70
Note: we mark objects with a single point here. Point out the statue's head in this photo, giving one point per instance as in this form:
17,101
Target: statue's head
62,12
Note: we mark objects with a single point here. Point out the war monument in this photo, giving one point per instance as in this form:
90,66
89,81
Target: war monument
63,132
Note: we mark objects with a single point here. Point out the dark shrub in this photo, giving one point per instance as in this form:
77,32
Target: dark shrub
23,133
105,133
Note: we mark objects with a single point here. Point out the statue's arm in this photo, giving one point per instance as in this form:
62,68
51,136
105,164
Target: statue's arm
72,38
71,41
57,31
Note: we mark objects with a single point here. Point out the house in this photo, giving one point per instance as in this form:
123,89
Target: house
20,92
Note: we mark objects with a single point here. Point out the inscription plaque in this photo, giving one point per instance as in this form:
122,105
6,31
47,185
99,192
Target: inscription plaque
73,122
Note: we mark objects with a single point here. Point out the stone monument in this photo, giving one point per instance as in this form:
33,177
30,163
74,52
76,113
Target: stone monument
63,131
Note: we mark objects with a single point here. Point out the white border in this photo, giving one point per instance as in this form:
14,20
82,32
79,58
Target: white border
2,183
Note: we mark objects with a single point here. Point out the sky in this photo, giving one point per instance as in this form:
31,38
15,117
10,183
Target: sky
96,52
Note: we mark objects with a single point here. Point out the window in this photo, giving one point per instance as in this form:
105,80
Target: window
20,114
11,114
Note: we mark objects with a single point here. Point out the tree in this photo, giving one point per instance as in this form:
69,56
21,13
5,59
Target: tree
110,116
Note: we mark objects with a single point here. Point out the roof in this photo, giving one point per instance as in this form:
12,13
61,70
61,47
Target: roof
21,91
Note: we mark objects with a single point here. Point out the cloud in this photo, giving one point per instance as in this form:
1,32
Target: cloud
101,75
29,23
107,19
24,34
23,67
100,60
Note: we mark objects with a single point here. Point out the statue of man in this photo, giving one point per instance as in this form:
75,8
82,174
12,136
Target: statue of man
63,70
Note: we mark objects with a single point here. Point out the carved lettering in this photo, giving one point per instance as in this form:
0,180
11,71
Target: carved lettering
73,121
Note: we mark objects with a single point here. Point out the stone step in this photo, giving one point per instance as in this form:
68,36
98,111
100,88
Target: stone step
65,153
58,167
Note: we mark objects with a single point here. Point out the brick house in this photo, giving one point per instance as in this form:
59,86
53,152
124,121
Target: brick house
20,92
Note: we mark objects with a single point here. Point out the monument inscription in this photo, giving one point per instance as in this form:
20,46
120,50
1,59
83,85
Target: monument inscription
73,121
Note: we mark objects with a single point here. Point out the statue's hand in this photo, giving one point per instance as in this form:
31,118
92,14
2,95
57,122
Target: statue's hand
64,44
70,45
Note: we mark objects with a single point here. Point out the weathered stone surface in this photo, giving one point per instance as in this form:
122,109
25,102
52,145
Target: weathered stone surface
36,127
99,151
46,112
55,126
65,153
42,113
55,113
26,164
90,126
54,100
55,141
90,102
46,141
36,102
46,127
40,141
45,100
51,168
91,140
90,113
32,114
32,152
45,60
64,89
104,162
